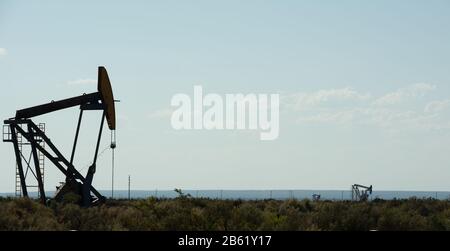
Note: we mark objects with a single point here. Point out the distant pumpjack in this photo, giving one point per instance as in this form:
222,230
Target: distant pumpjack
75,182
316,197
360,192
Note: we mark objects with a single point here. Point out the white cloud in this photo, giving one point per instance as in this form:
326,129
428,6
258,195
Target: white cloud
388,119
301,101
437,106
3,51
338,117
388,112
86,81
416,90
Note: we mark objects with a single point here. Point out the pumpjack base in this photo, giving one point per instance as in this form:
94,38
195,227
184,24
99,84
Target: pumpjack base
73,190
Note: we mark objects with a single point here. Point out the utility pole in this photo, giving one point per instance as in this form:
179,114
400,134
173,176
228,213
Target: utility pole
129,184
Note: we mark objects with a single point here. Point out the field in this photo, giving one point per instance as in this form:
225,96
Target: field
186,213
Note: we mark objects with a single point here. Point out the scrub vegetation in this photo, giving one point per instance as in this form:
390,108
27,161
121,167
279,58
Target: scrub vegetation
186,213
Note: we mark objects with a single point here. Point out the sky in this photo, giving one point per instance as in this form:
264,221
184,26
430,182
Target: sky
364,89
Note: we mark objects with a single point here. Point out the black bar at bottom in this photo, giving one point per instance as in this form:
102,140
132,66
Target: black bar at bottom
233,240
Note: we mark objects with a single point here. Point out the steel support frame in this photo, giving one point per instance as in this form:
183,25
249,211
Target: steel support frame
18,160
54,155
92,169
37,167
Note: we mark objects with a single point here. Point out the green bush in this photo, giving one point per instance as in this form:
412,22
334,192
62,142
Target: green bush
25,214
187,213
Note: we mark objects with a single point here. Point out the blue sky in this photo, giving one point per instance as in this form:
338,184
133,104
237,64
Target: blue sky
364,86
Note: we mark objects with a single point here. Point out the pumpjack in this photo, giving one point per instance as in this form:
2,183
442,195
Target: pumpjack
75,183
316,197
360,192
